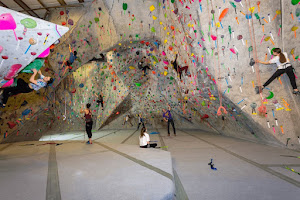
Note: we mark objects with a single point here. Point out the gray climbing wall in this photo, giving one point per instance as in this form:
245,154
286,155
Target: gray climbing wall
215,39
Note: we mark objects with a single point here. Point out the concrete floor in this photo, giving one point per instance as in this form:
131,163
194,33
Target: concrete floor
245,170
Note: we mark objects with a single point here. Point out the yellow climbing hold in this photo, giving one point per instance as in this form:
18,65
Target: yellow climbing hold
252,9
165,73
185,98
160,23
152,8
120,44
218,24
131,67
154,18
192,54
168,33
166,41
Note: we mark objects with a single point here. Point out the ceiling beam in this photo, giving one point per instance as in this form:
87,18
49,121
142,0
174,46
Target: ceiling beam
42,4
66,6
62,2
81,1
25,7
3,5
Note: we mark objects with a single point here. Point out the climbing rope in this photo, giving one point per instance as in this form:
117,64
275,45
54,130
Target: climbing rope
262,109
217,71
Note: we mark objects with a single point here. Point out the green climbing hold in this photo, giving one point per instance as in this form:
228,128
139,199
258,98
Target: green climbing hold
124,6
28,23
203,103
36,64
295,2
138,84
96,19
154,58
153,30
172,1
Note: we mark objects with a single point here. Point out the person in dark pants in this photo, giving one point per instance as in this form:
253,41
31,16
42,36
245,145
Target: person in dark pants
283,66
23,87
140,121
88,122
179,69
168,118
100,100
145,139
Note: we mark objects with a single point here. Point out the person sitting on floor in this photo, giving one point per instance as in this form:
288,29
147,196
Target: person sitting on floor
145,139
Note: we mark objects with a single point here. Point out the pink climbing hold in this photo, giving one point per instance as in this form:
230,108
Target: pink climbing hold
45,53
7,22
163,53
220,111
166,62
8,83
13,71
232,50
1,48
213,37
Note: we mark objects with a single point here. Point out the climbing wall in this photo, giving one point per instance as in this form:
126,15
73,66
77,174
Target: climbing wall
23,39
215,39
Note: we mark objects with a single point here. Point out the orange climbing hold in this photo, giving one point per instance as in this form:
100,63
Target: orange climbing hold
223,14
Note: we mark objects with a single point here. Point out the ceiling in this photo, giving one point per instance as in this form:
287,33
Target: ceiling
39,8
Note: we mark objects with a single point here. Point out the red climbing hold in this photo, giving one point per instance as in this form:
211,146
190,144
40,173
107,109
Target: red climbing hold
11,125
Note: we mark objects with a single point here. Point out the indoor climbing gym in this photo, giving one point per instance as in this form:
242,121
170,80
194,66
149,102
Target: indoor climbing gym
149,99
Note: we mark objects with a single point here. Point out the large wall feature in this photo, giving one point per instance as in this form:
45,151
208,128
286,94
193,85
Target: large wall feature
214,42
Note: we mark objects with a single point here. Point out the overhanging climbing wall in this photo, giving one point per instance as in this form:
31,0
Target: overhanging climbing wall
215,39
23,39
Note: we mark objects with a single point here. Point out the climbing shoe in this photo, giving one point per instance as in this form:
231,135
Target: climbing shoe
257,89
296,92
88,142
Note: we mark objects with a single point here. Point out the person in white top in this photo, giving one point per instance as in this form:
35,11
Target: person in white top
145,139
283,66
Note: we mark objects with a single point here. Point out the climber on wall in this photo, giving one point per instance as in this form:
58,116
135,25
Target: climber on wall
179,69
168,118
100,100
23,87
72,58
101,59
142,67
88,122
283,66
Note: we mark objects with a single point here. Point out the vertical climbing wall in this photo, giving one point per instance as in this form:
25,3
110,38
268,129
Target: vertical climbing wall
215,39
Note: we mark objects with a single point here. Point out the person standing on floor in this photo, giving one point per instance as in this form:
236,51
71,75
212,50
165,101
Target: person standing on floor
127,119
88,122
141,121
283,66
168,118
145,139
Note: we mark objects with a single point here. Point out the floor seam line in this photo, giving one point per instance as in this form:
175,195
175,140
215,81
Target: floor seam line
140,162
5,147
53,188
128,137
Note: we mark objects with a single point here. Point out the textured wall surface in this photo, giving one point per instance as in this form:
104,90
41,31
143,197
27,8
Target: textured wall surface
217,51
